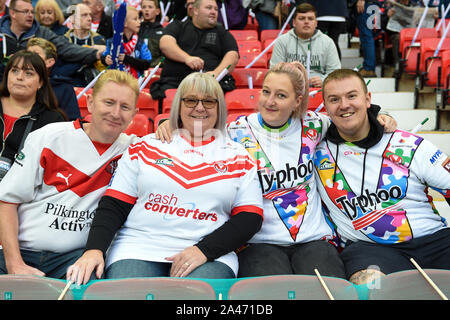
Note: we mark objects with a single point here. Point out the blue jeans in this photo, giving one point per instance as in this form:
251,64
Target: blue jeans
266,21
133,268
366,39
53,264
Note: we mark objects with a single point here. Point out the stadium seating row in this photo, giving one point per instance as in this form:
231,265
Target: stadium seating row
404,285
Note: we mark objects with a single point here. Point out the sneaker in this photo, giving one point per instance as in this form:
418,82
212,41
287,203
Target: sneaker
367,73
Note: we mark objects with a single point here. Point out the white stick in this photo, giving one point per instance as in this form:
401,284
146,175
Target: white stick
435,287
223,73
63,293
224,15
444,36
419,126
250,81
313,93
443,17
287,21
90,85
308,62
4,45
324,285
420,24
149,77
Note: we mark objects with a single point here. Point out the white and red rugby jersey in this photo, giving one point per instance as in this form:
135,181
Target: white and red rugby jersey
58,179
181,193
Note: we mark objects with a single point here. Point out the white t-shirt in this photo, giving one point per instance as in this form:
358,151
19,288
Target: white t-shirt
379,194
57,180
292,207
181,193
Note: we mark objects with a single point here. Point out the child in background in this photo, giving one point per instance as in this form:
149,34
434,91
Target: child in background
151,29
136,57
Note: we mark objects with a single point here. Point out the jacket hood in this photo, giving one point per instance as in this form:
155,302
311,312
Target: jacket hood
5,27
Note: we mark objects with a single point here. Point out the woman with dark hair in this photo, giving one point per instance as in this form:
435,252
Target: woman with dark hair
27,103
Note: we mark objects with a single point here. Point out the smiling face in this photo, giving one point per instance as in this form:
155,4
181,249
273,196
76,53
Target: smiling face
197,120
23,81
277,101
113,108
47,15
347,102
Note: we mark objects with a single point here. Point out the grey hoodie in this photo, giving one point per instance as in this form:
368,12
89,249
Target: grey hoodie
324,56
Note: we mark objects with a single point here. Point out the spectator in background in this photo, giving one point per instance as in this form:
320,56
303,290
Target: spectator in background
82,35
62,87
237,15
151,29
4,10
101,22
194,45
304,38
331,18
263,11
136,57
50,15
364,21
19,26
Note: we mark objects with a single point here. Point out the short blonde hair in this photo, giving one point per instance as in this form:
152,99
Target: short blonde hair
48,47
201,83
119,77
52,4
299,79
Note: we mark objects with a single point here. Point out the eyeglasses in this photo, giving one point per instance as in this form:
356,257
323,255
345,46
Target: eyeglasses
193,102
25,11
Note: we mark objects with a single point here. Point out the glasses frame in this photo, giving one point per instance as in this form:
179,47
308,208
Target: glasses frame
198,100
25,12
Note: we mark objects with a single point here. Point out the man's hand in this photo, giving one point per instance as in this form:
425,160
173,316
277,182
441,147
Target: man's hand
24,269
360,6
315,82
195,63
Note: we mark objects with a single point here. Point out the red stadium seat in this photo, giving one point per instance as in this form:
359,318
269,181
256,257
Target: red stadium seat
159,118
316,100
147,105
140,126
247,57
270,34
240,75
430,66
249,46
82,102
244,34
242,100
167,102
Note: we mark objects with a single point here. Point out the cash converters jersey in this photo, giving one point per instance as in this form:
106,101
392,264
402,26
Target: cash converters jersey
181,192
292,207
57,180
379,194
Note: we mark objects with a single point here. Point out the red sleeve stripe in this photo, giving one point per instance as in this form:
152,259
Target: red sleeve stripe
120,196
253,209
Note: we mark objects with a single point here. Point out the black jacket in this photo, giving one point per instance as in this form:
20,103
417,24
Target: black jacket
105,27
39,114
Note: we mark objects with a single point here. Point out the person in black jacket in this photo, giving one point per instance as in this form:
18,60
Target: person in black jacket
19,26
62,87
101,22
151,29
27,103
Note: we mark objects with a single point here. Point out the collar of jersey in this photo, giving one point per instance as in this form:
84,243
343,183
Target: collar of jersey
273,129
198,143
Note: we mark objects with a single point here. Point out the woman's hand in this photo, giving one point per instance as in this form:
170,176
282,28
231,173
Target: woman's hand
186,261
80,272
164,132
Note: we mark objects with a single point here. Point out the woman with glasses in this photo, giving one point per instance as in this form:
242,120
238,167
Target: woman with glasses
179,209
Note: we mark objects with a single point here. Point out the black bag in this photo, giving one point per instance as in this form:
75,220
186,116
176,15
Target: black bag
228,83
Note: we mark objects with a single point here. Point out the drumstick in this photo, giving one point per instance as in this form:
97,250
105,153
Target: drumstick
324,285
63,293
435,287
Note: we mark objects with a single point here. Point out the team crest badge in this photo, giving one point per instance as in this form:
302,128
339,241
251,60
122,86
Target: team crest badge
396,158
220,167
312,134
111,167
164,162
